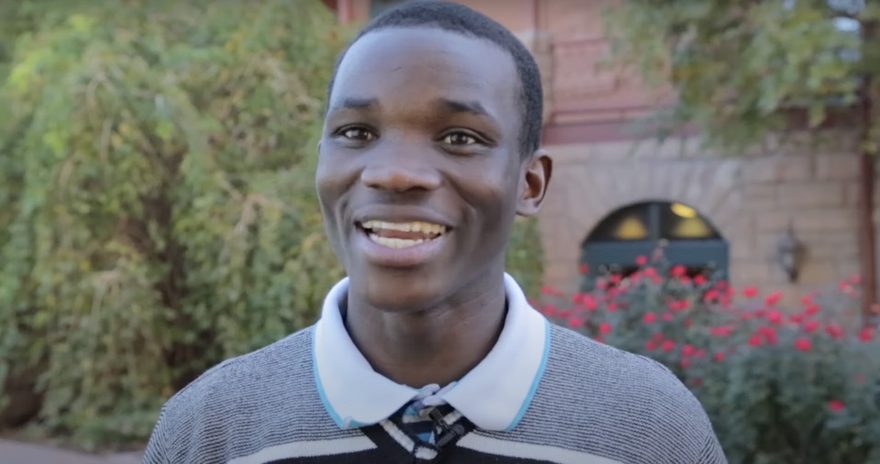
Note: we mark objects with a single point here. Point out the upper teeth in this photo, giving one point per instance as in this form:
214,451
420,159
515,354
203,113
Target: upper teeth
415,226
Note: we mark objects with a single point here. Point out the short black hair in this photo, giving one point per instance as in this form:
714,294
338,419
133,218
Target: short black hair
463,20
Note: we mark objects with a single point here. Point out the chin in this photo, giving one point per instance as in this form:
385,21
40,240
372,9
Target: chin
400,290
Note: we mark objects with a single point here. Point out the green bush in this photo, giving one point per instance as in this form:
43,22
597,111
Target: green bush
781,386
525,255
157,206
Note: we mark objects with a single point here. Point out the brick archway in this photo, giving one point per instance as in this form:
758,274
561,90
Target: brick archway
587,187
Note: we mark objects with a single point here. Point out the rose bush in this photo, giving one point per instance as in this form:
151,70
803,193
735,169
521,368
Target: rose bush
781,384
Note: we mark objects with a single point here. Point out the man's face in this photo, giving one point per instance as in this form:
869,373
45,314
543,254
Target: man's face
419,168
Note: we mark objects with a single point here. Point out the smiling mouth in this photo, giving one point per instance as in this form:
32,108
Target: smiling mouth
402,234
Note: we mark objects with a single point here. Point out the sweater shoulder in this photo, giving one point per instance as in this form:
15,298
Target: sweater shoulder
244,404
290,356
599,399
627,376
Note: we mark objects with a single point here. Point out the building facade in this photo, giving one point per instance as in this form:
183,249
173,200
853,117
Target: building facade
616,195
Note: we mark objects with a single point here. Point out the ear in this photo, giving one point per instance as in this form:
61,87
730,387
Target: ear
534,179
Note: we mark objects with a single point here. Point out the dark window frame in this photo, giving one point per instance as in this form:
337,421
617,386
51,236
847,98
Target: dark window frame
711,254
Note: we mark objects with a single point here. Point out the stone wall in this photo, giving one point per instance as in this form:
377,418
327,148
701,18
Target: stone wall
750,199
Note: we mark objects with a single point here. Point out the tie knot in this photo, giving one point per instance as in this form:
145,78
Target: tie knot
430,396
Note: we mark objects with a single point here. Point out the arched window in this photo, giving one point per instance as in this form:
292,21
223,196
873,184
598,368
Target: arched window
687,238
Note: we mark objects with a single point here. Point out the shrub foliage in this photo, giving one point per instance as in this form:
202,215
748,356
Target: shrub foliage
157,201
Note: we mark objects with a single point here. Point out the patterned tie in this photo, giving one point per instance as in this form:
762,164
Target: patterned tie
427,417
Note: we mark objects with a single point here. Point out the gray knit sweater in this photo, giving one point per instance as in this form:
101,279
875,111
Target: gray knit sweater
595,404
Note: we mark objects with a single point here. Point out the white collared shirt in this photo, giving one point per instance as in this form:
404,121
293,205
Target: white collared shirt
494,395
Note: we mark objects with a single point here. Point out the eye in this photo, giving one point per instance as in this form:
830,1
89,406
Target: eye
359,134
459,138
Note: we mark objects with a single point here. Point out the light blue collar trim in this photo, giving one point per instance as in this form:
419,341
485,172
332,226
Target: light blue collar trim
494,395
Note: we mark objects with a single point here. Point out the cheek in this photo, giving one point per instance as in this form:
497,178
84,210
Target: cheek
332,178
323,182
493,197
331,189
332,181
326,191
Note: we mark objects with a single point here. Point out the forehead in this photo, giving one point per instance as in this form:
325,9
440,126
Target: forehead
415,64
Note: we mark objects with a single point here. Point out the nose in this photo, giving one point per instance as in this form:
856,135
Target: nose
400,173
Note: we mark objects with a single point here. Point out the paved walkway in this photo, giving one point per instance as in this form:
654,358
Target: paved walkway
13,452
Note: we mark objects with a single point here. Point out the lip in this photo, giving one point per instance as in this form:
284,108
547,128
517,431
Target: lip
401,215
401,258
414,256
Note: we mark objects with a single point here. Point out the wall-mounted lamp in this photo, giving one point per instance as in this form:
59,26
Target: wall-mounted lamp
790,253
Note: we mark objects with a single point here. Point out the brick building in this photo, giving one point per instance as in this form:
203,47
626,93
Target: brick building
613,196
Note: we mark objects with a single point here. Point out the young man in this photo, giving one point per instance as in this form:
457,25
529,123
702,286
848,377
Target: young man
428,352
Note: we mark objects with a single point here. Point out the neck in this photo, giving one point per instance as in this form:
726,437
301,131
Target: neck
433,345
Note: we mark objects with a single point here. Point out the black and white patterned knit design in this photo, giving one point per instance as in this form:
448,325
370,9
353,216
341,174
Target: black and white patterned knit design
594,405
615,404
246,404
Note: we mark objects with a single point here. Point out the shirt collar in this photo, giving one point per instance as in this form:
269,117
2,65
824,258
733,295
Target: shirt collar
493,395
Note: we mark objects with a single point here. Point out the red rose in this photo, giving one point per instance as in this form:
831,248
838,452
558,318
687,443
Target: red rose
688,350
589,302
773,298
803,344
836,405
721,331
550,310
712,295
649,318
679,305
769,334
576,322
548,290
750,292
774,316
867,334
835,331
811,326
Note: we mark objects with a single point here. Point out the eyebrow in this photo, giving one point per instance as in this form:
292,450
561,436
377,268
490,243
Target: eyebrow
357,103
449,105
456,106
